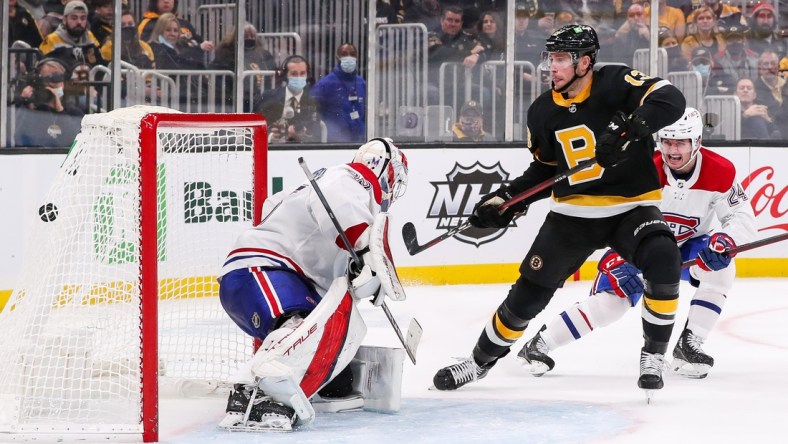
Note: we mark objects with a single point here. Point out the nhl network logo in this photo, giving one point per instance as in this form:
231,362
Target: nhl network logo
454,199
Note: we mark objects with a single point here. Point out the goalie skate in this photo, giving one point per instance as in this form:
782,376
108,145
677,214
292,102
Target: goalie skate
249,410
689,359
534,355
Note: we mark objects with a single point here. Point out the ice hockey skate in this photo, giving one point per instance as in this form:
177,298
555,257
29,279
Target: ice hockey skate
651,365
689,359
534,355
249,410
457,375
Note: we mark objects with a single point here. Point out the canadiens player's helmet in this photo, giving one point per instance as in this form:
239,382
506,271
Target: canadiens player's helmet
689,126
388,163
578,40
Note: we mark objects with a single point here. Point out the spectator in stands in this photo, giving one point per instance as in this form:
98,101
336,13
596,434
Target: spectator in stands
565,17
724,14
633,34
22,26
256,58
451,44
133,50
528,43
101,23
756,123
667,40
42,119
173,50
771,88
470,126
289,109
763,29
784,67
73,43
704,33
738,60
52,17
341,98
423,11
671,18
385,13
158,7
490,30
714,80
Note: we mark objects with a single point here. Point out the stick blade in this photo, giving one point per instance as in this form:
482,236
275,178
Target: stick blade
413,337
409,237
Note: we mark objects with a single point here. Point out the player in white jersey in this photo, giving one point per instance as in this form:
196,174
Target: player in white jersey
286,282
699,191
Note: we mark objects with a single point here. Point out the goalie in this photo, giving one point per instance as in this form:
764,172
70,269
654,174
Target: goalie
289,283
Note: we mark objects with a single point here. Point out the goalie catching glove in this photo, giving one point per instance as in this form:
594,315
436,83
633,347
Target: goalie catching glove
378,277
611,149
486,213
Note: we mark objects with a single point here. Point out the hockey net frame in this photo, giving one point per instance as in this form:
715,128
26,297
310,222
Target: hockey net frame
152,123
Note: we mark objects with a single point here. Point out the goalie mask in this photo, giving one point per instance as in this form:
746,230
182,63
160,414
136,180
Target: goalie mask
689,126
388,163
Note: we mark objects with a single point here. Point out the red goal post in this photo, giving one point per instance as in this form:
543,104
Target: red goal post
125,249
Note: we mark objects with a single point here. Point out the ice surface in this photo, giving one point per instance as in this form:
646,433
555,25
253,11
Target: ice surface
590,396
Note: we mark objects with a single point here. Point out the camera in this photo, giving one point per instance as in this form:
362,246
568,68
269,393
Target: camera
41,95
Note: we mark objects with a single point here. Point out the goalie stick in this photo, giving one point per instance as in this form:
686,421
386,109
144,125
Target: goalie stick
414,330
409,230
745,247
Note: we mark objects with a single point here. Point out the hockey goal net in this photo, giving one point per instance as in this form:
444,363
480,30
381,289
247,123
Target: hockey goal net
118,289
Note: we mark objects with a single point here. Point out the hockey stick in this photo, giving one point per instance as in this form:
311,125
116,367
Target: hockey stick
414,331
409,230
744,247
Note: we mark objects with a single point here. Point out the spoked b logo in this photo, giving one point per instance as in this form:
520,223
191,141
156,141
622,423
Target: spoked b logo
455,198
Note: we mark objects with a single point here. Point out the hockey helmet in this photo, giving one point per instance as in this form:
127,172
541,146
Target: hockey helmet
689,126
388,163
577,40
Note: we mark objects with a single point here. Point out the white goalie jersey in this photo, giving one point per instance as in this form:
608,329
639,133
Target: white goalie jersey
710,199
311,245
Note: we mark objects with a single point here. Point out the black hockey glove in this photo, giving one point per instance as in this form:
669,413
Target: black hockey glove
486,212
611,148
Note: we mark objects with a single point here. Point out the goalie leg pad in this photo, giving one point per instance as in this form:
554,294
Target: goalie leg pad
314,352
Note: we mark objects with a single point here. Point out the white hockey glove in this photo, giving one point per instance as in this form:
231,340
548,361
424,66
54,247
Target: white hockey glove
365,283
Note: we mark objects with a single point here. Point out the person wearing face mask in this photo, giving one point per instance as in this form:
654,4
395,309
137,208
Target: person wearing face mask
133,50
670,43
341,98
256,58
714,80
469,127
289,109
738,60
44,119
101,21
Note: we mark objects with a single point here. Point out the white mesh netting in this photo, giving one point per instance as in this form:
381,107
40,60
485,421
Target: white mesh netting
71,345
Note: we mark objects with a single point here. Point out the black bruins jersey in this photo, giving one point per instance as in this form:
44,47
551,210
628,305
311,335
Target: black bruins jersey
562,132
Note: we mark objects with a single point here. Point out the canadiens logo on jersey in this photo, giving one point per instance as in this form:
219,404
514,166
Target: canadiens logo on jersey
455,198
683,227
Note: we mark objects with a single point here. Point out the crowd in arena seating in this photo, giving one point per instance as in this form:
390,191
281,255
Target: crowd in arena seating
738,48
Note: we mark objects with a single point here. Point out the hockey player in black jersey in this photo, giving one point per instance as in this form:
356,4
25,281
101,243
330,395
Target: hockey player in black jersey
610,114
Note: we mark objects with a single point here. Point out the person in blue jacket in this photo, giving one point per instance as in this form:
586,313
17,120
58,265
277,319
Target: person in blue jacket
341,97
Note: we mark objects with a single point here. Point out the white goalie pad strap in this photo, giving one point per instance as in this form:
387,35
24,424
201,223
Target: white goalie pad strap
382,261
325,341
377,375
